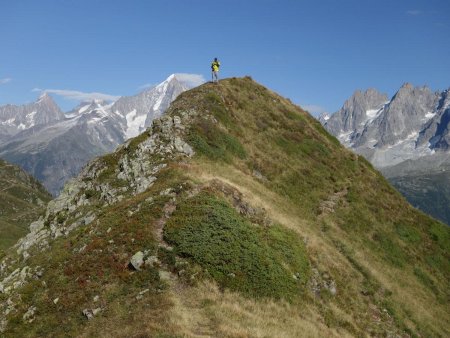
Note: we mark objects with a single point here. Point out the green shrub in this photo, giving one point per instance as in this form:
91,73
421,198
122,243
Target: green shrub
258,262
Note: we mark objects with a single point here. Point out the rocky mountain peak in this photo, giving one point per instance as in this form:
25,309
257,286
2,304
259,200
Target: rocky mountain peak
46,100
368,121
46,109
408,90
356,111
406,114
407,85
361,101
15,119
44,96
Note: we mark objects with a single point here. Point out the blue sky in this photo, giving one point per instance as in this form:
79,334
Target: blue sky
317,53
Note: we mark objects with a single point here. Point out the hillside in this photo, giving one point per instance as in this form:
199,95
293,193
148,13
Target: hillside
22,200
234,215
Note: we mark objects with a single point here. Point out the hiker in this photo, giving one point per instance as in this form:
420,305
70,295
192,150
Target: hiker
215,65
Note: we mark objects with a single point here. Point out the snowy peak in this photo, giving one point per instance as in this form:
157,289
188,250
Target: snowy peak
414,123
356,112
140,110
87,107
48,107
408,110
46,100
14,119
44,97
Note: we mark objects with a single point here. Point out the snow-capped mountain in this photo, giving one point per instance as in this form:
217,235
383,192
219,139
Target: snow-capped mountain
140,110
405,137
356,112
414,123
14,119
57,150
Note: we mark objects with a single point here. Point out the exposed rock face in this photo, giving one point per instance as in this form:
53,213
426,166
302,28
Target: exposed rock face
412,124
405,113
402,118
355,112
437,130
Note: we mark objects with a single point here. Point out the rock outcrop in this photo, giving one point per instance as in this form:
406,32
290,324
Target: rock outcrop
136,173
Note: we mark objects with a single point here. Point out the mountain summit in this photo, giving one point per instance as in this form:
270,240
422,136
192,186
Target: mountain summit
14,119
234,214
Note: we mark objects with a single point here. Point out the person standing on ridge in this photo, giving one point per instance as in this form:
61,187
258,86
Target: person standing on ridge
215,65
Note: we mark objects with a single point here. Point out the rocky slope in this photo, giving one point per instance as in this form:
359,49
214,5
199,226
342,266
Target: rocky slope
410,130
54,150
22,200
234,214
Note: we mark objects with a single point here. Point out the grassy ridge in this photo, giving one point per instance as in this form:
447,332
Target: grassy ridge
22,199
343,255
297,159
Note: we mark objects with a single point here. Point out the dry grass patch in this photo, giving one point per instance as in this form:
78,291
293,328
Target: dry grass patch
205,311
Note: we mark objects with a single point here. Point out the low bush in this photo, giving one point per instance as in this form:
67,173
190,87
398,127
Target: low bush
259,262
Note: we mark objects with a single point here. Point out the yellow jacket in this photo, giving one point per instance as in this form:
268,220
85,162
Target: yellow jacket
215,66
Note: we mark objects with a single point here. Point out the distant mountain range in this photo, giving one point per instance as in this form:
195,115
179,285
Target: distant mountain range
407,137
53,146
